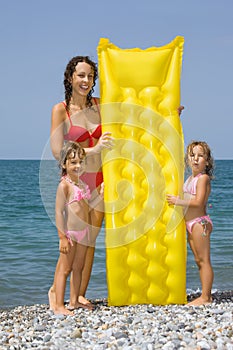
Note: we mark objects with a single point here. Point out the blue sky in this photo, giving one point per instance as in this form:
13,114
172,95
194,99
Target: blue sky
38,38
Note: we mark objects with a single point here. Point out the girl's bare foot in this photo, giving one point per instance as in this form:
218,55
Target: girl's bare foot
63,311
200,301
52,298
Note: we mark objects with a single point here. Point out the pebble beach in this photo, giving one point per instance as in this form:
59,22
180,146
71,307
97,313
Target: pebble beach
144,327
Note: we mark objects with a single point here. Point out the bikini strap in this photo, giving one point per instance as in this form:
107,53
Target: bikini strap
67,112
97,106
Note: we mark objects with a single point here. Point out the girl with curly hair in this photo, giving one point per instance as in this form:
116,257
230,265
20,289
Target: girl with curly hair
198,224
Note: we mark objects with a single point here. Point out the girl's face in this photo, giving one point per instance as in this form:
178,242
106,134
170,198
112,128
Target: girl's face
197,159
74,167
83,78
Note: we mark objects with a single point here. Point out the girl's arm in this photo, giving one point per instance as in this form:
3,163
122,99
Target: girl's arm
57,130
62,192
200,198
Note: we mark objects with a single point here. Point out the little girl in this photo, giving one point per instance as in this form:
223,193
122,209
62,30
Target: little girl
199,225
72,225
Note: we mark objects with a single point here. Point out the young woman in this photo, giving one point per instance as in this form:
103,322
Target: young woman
77,118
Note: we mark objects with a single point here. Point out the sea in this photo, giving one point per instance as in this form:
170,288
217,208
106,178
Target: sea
29,243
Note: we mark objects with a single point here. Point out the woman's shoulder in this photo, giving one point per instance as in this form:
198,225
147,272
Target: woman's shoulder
59,107
59,111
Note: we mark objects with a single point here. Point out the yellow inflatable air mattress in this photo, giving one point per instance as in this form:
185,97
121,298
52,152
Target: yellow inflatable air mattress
145,238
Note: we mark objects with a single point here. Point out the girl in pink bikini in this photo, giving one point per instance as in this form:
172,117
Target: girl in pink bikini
199,225
71,214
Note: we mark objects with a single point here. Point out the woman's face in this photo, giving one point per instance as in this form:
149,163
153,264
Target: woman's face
83,78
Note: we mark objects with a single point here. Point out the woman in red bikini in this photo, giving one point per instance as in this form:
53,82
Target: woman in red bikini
199,225
77,118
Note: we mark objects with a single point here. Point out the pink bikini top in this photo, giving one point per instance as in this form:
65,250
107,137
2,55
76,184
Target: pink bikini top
78,193
190,184
80,134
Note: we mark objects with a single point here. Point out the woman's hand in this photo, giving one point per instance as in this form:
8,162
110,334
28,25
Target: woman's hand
180,109
105,141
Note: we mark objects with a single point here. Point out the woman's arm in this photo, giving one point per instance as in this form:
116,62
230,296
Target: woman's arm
105,141
57,130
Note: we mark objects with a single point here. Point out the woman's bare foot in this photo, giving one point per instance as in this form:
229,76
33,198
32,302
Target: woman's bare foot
63,311
200,301
83,300
88,306
52,298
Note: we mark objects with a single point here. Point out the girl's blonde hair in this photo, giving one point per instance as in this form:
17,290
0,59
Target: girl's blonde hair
207,152
70,150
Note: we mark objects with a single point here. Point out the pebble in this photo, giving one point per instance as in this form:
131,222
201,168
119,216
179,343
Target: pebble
142,327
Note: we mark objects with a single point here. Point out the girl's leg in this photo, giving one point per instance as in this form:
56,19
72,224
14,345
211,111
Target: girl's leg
200,246
62,271
52,297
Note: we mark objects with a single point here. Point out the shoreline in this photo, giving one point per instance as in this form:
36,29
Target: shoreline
218,296
123,327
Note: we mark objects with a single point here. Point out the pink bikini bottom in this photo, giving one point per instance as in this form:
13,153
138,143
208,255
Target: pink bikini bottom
203,220
78,236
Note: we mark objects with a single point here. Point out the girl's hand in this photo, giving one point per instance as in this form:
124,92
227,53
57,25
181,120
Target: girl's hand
172,200
105,141
64,245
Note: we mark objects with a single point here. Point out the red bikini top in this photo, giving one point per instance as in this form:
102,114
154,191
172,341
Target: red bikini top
80,134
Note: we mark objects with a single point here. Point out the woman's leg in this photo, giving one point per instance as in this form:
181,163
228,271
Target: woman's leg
77,270
86,275
96,219
200,245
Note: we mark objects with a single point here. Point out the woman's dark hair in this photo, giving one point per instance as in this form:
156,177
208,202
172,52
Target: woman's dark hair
70,68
